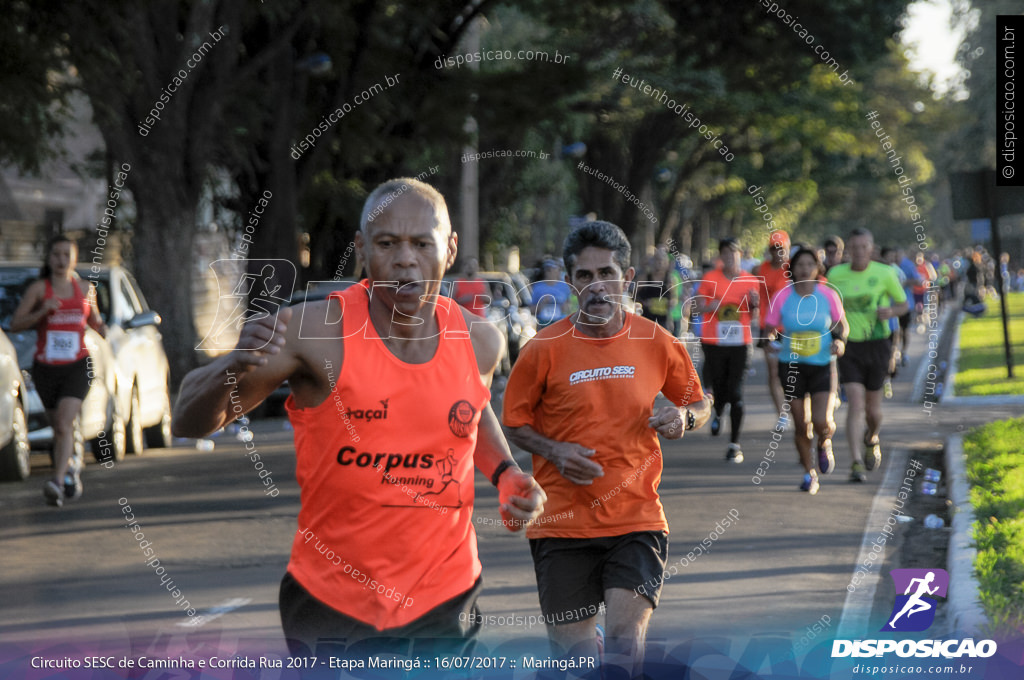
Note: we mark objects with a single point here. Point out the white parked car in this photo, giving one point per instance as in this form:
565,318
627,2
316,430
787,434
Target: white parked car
128,405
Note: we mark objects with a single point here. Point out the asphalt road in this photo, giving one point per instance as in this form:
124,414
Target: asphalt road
78,576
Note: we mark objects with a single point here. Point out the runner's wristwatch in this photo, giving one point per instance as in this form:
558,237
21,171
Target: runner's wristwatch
691,420
502,466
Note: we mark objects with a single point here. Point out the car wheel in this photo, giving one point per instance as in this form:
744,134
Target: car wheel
133,428
159,436
112,445
15,463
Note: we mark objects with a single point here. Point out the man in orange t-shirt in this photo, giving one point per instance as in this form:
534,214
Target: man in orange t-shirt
581,400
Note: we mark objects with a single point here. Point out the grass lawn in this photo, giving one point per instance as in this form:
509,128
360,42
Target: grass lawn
982,366
995,470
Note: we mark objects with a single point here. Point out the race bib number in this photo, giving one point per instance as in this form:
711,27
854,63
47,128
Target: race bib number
730,333
805,343
62,346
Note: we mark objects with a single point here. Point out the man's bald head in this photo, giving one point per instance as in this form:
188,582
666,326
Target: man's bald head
409,192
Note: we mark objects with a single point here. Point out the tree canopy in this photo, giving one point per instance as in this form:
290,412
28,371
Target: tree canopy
786,94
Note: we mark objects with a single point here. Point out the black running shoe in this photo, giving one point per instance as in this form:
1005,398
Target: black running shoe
72,485
53,493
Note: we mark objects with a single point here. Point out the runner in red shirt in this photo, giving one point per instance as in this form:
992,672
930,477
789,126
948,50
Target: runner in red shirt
390,413
728,299
57,307
471,291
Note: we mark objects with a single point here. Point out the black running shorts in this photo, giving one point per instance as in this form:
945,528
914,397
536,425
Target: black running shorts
56,381
307,621
866,363
574,573
799,379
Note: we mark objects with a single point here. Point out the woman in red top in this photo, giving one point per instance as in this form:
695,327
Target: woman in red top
56,306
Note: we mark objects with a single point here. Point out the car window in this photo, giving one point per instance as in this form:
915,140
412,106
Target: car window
10,296
103,298
12,288
130,300
144,306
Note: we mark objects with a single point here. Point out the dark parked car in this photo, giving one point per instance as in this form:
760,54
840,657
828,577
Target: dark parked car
128,404
509,310
319,290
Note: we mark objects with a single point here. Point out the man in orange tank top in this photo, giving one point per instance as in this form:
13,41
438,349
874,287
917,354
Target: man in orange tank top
391,416
581,400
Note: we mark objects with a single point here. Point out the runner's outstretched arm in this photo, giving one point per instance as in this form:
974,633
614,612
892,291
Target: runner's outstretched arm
260,362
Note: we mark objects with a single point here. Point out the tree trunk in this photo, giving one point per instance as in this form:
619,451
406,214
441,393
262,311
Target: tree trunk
162,245
277,235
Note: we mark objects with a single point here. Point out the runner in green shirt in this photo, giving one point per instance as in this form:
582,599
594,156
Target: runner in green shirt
866,288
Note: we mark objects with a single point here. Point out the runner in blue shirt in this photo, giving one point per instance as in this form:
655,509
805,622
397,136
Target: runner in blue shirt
809,318
550,295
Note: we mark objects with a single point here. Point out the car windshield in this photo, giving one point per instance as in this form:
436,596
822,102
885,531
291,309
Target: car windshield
103,297
13,282
13,285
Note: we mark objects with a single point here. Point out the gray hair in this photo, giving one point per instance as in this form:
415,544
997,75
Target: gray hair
597,234
386,193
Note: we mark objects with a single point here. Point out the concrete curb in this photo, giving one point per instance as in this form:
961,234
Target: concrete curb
987,400
857,608
965,612
949,393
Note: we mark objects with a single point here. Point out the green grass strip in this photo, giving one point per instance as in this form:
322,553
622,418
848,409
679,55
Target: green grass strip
982,366
995,471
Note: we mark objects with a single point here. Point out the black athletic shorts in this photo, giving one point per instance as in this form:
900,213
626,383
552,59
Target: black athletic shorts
799,378
866,363
307,622
574,573
905,320
56,381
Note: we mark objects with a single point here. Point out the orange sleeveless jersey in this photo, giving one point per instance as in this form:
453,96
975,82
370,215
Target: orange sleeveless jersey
385,468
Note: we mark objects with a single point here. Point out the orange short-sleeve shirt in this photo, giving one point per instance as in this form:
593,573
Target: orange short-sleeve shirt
599,393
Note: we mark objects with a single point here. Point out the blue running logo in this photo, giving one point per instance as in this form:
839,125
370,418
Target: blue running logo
915,611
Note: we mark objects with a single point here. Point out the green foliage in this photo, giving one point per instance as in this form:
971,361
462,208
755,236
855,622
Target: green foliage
995,470
793,127
33,81
982,364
